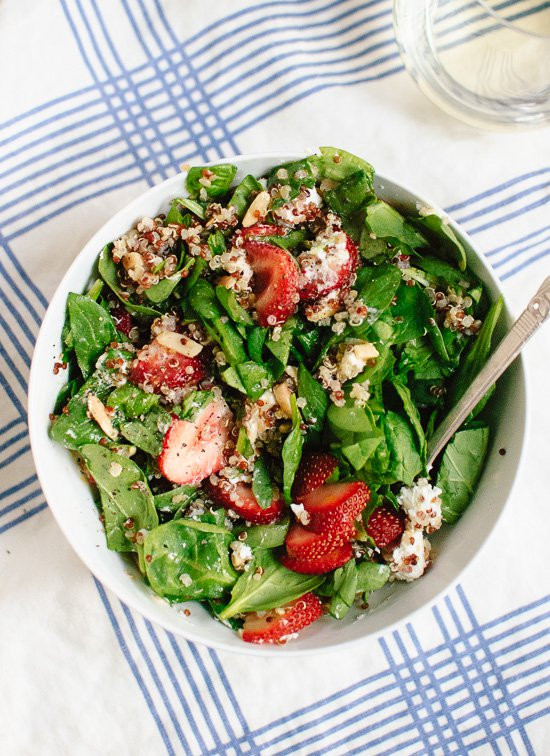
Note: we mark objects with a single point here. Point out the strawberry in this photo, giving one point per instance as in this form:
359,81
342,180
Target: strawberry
161,369
314,469
244,502
334,506
191,451
275,282
304,543
277,625
327,266
333,559
385,525
263,229
122,320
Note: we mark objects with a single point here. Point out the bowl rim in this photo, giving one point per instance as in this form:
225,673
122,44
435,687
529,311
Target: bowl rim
102,574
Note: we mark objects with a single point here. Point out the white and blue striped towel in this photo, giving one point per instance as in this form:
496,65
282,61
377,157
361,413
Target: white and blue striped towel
102,98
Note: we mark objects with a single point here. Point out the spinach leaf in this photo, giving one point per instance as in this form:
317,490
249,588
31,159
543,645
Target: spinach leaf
351,194
126,500
412,413
216,243
261,484
243,445
132,401
92,330
477,355
242,196
419,357
295,174
277,586
108,272
385,222
147,433
229,340
202,298
254,378
349,418
461,466
405,461
174,215
162,290
410,313
443,238
344,590
219,178
186,559
199,265
255,341
317,401
228,301
266,536
194,403
280,347
442,274
231,377
176,500
371,576
289,241
360,452
377,288
292,451
337,164
371,247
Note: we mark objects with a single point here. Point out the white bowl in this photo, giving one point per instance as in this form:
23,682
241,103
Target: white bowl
71,501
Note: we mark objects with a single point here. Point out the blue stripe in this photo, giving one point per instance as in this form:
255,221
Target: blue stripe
525,264
16,455
20,502
135,671
22,273
496,189
18,486
501,202
153,672
520,251
44,106
514,214
22,299
11,424
520,240
11,441
228,689
22,518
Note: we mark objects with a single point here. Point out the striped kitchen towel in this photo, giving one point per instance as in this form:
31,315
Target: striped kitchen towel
102,98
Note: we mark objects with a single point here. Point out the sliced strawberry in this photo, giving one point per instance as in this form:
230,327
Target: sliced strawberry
263,229
334,506
327,266
277,625
313,471
122,320
191,451
321,564
385,525
275,282
302,542
161,369
242,501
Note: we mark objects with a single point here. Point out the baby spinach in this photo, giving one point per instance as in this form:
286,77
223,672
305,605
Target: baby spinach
266,536
216,243
186,559
289,241
317,401
277,586
242,196
337,164
175,500
292,451
280,347
243,445
371,576
410,313
477,356
344,589
385,222
132,401
254,378
228,301
126,500
351,194
261,484
108,272
202,298
147,433
443,237
92,330
255,340
359,453
217,179
405,461
162,290
412,413
73,427
460,469
377,288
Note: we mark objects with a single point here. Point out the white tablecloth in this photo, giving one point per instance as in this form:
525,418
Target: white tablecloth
101,98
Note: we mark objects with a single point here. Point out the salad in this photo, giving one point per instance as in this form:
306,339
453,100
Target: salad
252,378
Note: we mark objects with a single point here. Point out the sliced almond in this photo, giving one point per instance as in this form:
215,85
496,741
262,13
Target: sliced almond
97,411
133,264
365,351
282,395
257,209
228,282
178,343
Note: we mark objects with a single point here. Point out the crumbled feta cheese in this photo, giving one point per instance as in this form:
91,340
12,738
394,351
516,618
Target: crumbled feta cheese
241,555
257,417
410,559
360,393
186,580
422,503
300,513
322,264
299,210
353,358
